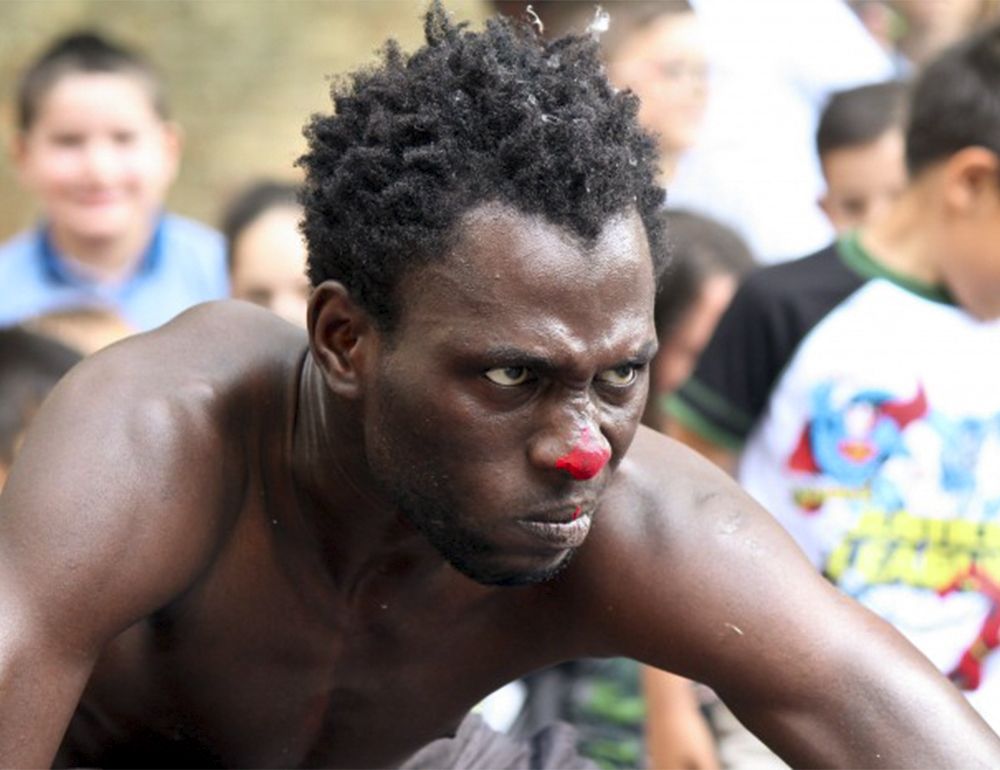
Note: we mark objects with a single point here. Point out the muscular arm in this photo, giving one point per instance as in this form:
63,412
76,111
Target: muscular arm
101,522
711,587
677,734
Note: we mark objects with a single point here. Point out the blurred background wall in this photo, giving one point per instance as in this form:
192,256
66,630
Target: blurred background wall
242,75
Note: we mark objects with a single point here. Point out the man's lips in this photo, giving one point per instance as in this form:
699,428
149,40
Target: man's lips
564,530
563,514
561,535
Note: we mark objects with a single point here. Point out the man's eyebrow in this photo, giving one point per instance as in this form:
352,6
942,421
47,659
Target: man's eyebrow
505,355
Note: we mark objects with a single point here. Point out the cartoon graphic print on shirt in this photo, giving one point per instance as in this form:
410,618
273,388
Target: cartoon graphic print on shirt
850,443
935,530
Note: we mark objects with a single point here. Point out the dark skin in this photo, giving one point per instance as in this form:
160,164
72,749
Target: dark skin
208,552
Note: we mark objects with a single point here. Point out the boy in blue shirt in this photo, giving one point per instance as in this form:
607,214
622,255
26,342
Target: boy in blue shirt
96,148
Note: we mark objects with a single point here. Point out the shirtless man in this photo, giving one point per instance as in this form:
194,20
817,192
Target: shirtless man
231,543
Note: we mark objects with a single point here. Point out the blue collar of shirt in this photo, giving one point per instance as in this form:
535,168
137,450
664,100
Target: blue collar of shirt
59,272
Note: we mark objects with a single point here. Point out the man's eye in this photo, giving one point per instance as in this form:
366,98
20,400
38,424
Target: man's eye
620,376
509,376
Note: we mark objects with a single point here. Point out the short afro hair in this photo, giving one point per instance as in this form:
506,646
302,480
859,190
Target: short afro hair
469,119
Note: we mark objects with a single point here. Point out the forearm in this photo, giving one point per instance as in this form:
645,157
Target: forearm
38,694
883,707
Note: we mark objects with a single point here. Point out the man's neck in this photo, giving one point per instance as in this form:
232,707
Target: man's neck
103,259
904,240
358,529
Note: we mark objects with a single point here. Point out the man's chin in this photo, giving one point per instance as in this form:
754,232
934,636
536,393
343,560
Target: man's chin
492,573
476,555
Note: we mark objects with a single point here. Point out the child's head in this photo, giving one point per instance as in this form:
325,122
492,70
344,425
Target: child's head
30,366
860,144
953,157
925,27
707,261
656,50
86,329
94,143
267,254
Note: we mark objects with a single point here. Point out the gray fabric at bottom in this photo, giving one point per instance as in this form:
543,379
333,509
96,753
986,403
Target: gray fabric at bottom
478,747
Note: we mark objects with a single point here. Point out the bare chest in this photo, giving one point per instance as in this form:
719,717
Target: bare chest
246,672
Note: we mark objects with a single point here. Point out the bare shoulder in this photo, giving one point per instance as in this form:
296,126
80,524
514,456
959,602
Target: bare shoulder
690,563
223,340
664,492
162,400
181,382
130,471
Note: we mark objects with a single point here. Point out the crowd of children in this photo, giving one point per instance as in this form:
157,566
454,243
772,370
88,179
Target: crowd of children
852,391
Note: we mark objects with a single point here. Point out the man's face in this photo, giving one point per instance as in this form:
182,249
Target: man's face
511,389
863,182
98,157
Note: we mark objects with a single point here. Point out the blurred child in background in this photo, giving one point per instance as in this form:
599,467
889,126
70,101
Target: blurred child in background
656,50
96,147
267,256
30,366
860,141
913,31
707,262
754,166
85,329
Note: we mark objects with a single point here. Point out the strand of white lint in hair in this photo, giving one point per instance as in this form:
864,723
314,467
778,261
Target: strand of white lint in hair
600,23
534,19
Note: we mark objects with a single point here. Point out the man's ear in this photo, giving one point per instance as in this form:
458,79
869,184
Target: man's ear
972,179
342,338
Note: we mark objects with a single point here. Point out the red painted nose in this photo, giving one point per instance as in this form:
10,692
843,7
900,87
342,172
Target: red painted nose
586,459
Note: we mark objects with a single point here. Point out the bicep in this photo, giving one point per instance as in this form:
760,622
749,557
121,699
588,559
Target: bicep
90,528
107,512
51,621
